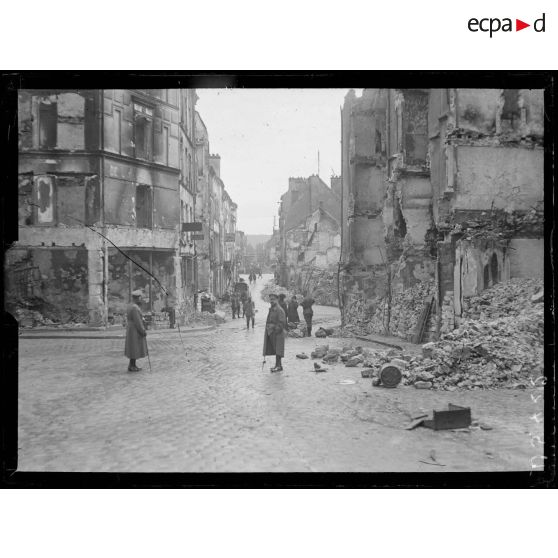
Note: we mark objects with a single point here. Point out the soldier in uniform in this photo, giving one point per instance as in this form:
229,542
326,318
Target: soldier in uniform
136,343
274,336
308,312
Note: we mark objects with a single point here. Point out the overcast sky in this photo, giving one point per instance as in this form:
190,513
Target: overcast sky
266,135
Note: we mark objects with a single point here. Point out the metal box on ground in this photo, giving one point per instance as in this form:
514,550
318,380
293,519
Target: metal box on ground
454,417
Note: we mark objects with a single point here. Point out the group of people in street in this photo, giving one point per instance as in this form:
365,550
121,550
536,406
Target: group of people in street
245,303
279,317
252,276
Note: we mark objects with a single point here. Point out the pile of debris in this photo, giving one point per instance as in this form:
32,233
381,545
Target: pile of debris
272,288
367,316
499,342
39,313
371,359
398,317
323,288
406,308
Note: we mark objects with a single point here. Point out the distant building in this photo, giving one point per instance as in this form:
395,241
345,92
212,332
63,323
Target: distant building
308,227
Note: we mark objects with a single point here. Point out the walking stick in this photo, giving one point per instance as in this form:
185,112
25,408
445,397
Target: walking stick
263,364
147,350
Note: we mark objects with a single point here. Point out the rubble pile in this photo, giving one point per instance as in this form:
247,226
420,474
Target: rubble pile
324,288
406,308
272,288
373,316
367,316
39,313
499,342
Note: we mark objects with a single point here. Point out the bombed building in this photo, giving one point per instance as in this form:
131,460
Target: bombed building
100,169
309,232
442,197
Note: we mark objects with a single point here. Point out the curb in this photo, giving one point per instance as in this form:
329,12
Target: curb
152,333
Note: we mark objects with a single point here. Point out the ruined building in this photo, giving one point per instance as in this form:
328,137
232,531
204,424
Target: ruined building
442,194
122,162
309,232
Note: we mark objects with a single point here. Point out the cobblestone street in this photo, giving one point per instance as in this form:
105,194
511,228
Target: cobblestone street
214,409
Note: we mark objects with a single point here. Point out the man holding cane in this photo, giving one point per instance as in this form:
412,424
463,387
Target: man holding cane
136,343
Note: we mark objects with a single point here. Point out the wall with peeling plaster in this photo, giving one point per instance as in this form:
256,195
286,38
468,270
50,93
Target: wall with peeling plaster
67,178
526,257
61,291
499,177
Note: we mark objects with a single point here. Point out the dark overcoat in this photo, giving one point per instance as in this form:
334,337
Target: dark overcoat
136,343
249,308
292,314
274,338
307,306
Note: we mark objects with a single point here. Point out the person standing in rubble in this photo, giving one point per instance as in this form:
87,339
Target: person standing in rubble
308,312
136,343
249,311
274,336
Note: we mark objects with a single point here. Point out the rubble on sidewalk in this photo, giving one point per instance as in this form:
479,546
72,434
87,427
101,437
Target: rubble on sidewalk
499,342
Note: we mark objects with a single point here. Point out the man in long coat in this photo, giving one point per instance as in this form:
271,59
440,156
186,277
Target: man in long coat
308,312
136,343
249,312
274,337
235,305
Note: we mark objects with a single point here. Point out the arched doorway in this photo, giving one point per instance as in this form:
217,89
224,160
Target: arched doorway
494,269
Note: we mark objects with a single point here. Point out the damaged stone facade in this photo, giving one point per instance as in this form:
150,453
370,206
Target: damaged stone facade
216,257
442,194
310,237
122,162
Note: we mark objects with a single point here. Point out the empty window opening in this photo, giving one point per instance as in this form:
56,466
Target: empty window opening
143,132
48,116
166,145
144,207
510,110
118,129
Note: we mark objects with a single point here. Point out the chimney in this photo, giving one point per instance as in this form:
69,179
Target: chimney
215,163
336,184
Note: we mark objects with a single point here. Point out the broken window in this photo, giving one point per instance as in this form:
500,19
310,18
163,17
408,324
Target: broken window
511,113
48,116
118,129
143,132
378,147
44,200
159,93
144,207
416,127
165,145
